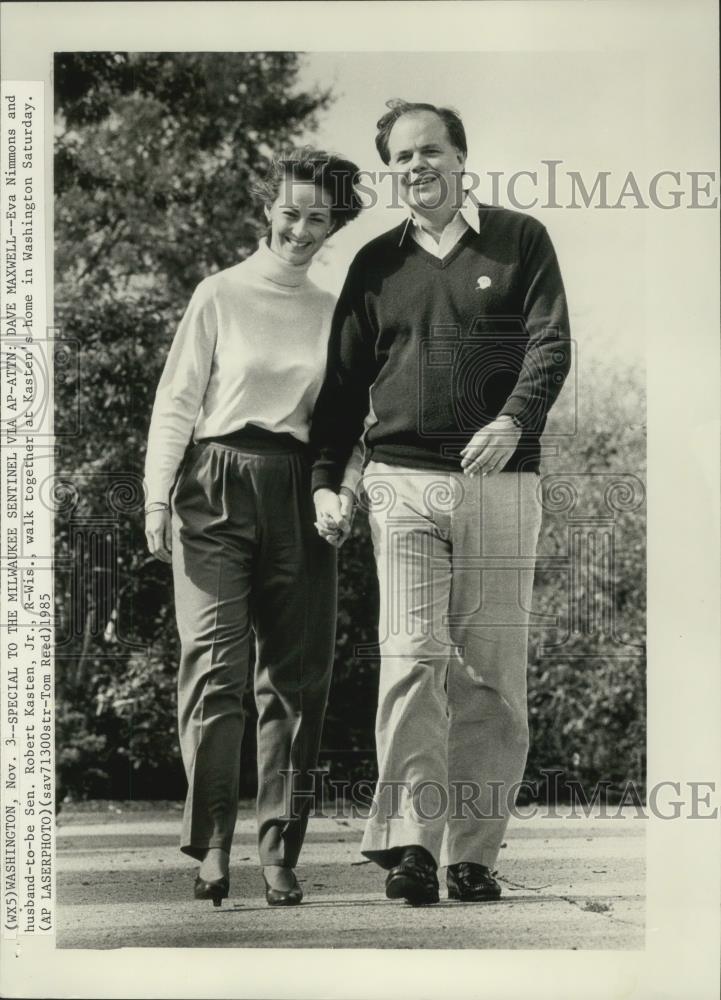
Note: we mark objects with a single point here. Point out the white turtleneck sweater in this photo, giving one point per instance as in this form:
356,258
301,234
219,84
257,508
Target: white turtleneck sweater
250,349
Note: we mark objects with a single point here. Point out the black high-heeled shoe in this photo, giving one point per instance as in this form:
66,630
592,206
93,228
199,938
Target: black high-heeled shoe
283,897
216,889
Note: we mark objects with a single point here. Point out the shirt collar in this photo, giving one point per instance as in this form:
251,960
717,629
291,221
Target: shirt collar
467,215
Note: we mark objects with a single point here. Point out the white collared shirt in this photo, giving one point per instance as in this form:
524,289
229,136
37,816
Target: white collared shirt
465,218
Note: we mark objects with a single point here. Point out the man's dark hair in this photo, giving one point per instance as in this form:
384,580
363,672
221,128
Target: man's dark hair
331,174
398,108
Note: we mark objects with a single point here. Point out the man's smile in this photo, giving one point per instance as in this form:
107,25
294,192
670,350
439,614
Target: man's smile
427,178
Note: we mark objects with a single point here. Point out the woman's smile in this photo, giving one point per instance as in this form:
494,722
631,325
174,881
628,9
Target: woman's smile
299,222
297,244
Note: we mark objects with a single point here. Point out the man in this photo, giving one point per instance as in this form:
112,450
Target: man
460,332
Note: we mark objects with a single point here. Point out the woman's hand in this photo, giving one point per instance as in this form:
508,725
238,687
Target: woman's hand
158,534
333,515
489,449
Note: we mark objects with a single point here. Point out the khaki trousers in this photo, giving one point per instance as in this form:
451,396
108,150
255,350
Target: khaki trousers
455,559
247,561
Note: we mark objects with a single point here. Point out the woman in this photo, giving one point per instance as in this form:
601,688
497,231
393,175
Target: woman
241,378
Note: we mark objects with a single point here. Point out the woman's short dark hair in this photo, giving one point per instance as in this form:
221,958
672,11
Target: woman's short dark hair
333,175
398,108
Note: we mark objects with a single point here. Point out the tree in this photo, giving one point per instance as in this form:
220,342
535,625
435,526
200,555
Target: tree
155,158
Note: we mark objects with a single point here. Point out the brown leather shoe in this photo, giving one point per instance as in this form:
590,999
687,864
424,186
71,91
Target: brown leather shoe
414,878
471,883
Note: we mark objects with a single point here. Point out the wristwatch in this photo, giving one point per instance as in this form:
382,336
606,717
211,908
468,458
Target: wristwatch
517,423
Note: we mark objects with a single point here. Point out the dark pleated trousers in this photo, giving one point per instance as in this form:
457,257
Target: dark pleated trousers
248,562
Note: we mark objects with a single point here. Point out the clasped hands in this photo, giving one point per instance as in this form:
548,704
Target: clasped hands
487,452
333,513
333,520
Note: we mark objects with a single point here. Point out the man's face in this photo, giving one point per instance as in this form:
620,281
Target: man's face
429,166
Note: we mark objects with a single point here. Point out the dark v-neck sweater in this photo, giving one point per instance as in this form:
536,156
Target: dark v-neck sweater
445,346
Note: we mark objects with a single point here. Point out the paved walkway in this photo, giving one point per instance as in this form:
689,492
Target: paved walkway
572,883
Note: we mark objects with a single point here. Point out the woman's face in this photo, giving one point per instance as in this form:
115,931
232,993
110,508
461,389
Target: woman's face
299,221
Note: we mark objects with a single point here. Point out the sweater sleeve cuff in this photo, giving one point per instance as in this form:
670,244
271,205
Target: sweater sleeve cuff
156,491
354,469
526,414
324,478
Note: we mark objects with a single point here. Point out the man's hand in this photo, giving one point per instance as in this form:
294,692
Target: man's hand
489,449
333,515
158,534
